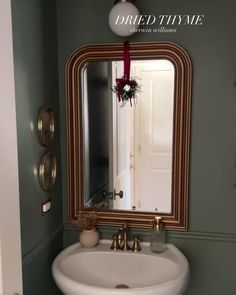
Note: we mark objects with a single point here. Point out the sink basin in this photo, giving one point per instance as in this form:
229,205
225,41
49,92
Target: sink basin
101,271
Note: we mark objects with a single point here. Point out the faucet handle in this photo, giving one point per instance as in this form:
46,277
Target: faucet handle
136,245
115,243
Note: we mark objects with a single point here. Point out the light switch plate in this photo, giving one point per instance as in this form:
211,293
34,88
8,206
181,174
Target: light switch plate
46,207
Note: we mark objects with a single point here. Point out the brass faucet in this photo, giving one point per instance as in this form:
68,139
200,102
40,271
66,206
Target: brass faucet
120,241
122,238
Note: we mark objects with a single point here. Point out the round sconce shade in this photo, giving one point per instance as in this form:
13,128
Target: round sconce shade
121,19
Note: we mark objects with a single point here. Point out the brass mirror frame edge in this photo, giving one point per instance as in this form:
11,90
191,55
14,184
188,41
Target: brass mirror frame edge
178,218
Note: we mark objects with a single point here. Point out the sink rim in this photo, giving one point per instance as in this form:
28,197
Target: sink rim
180,260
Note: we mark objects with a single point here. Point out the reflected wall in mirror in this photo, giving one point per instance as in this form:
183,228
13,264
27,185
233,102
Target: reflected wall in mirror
128,149
129,163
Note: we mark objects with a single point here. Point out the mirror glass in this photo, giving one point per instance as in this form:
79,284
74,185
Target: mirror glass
127,150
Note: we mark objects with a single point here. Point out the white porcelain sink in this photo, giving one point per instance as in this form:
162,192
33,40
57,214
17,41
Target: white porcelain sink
100,271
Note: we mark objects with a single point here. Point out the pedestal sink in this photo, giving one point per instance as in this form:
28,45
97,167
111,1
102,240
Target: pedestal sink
101,271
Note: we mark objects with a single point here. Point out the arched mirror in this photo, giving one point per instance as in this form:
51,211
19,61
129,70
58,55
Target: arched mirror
129,162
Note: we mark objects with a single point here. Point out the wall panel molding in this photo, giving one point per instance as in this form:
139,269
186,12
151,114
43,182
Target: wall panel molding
28,257
192,235
107,232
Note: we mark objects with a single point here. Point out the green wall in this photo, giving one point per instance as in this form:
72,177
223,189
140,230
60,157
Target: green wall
36,82
210,243
40,47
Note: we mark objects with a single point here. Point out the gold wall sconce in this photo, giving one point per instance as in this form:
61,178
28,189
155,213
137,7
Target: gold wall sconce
48,171
46,125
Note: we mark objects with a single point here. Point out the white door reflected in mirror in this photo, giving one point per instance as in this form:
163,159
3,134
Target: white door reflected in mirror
129,149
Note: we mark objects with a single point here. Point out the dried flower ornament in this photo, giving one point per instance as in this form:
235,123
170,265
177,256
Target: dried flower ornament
87,221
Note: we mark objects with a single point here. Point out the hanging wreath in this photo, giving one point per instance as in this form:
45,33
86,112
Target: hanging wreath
125,88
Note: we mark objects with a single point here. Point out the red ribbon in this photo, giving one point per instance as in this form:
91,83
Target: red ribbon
126,76
126,62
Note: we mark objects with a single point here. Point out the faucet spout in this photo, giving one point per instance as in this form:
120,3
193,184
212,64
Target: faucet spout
122,238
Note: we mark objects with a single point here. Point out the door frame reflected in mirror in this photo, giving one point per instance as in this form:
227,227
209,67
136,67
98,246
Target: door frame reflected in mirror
178,218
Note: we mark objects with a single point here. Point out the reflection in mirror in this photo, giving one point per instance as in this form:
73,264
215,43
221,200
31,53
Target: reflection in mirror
128,150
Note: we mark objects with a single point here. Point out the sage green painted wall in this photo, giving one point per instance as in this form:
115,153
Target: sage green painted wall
36,82
210,243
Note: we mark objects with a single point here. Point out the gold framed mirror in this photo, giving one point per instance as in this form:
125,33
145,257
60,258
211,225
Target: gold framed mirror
47,171
172,58
46,125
